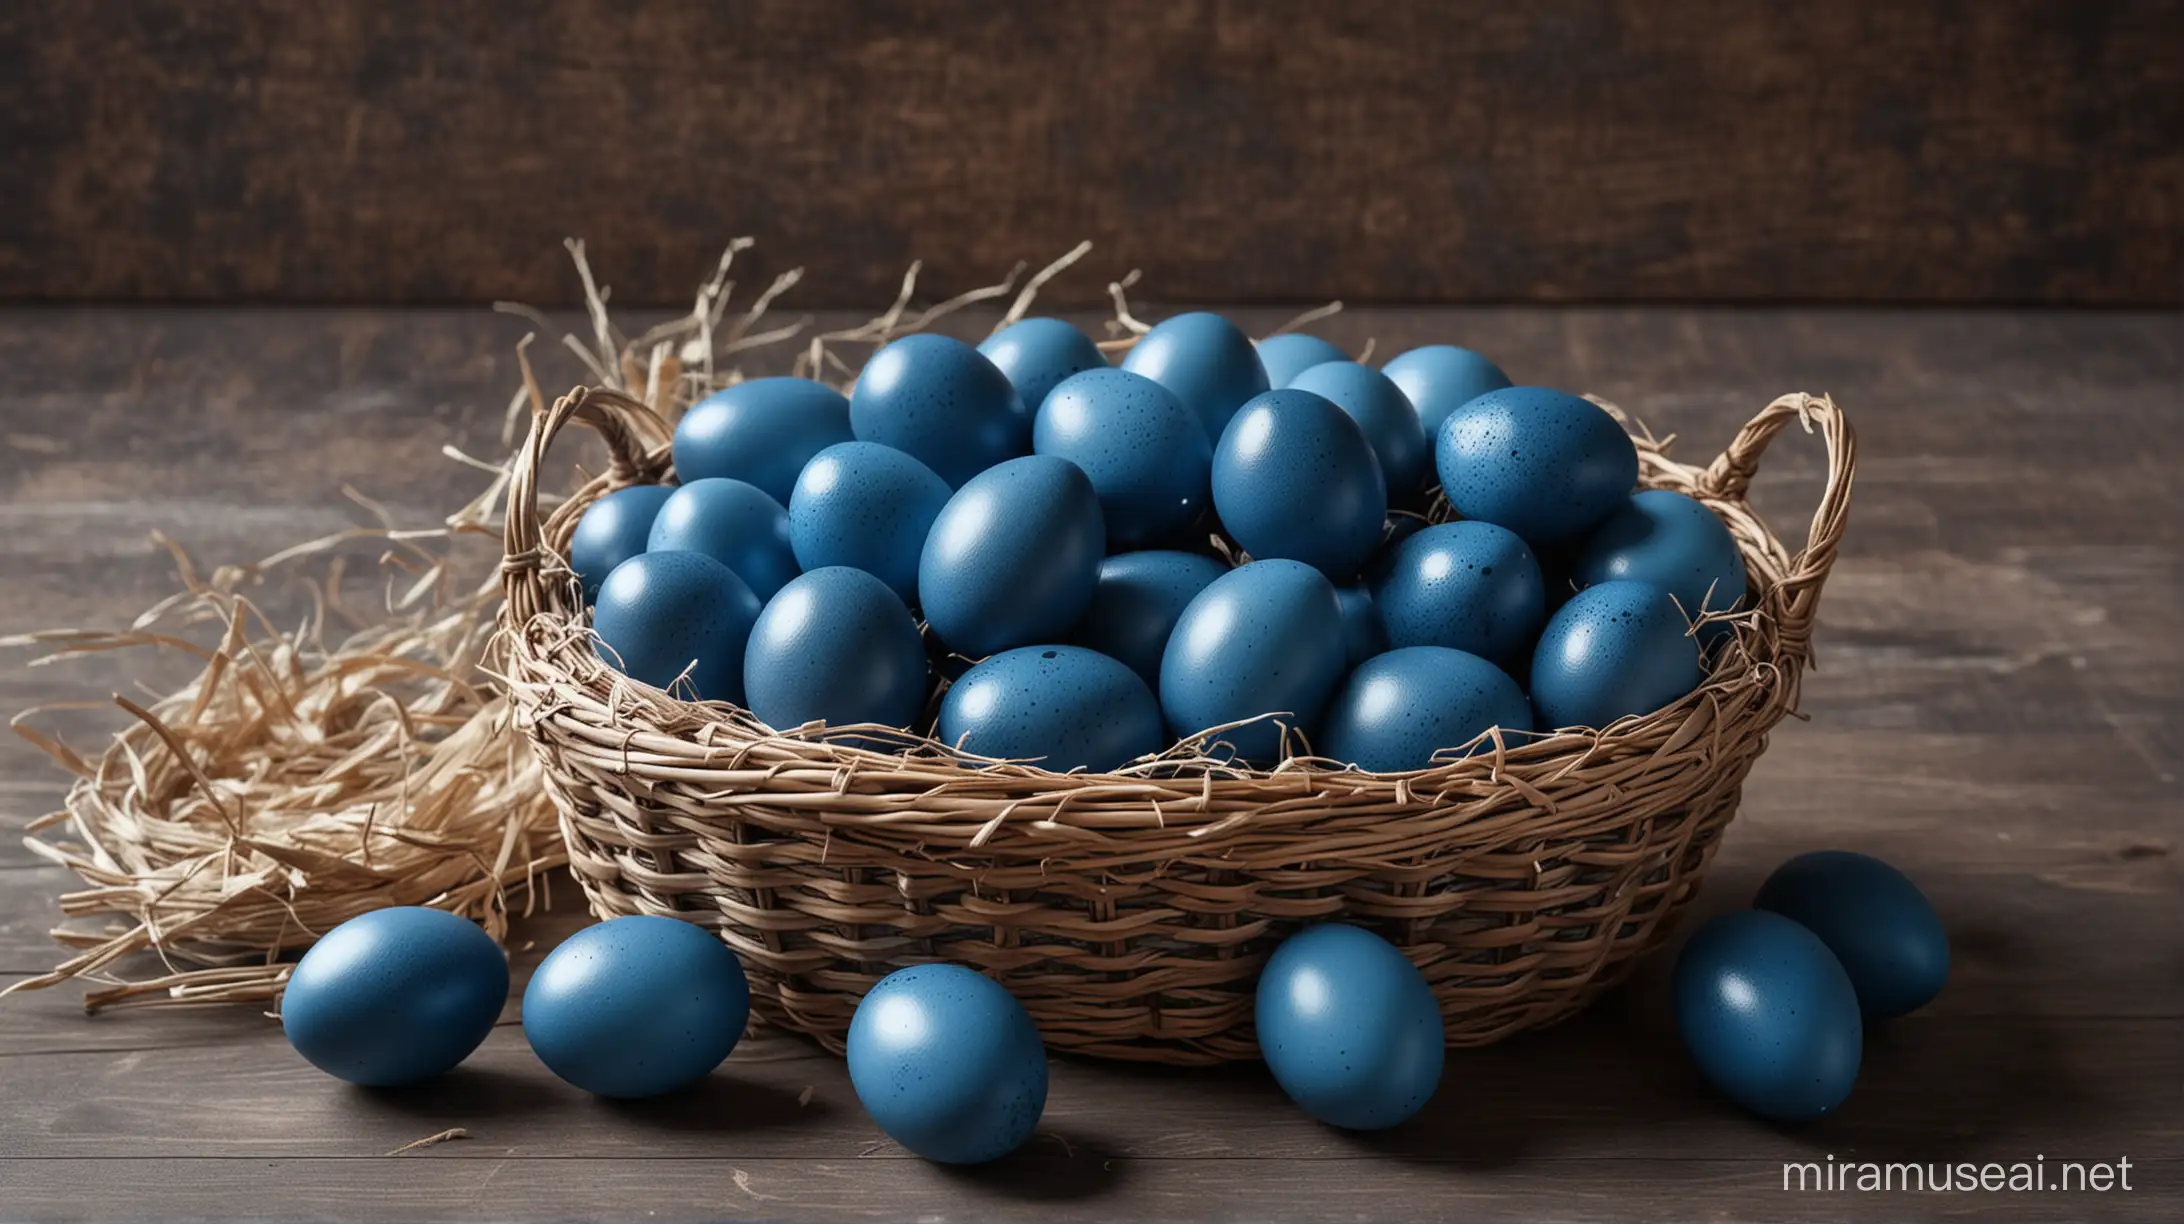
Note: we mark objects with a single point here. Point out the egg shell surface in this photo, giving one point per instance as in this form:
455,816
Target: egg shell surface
1146,454
940,401
659,613
1389,422
1362,635
1616,649
1295,478
1674,542
1440,378
1349,1027
1037,354
762,431
1136,602
611,531
1263,639
734,523
1769,1016
837,646
636,1006
868,507
1398,709
1210,364
1546,465
1292,353
1873,918
1013,557
948,1064
395,996
1471,586
1057,707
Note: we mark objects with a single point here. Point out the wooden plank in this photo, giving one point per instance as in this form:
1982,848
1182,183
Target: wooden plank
399,150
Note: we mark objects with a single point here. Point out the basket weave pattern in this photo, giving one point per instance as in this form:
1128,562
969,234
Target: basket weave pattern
1131,912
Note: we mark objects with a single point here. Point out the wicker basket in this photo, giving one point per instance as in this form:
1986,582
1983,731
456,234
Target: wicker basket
1131,912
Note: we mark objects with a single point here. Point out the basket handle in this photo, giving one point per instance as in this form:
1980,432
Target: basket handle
1796,597
628,427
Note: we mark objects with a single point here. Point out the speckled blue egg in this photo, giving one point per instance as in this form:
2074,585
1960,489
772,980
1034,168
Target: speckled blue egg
1037,354
940,401
1295,478
836,646
1769,1015
1146,454
1136,603
734,523
1013,557
1616,649
611,531
1263,639
1209,363
948,1064
1057,707
868,507
394,996
1472,586
1546,465
761,432
660,613
1440,378
1874,919
1398,709
1362,634
1388,420
1674,542
1292,353
1349,1027
636,1006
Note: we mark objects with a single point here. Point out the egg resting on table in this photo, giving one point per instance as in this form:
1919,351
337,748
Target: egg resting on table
395,996
948,1064
1876,921
1349,1027
1769,1015
636,1006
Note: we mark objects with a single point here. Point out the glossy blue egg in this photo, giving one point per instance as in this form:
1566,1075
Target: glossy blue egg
734,523
761,432
394,996
1673,542
1362,634
1135,605
1398,709
1037,354
636,1006
1295,478
1263,639
661,613
1146,454
1874,919
611,531
1389,422
1472,586
1769,1015
1206,360
948,1064
1013,557
835,646
1349,1027
1292,353
868,507
1440,378
1057,707
940,401
1616,649
1546,465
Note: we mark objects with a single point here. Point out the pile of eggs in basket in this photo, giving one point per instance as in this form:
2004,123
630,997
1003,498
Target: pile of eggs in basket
1034,529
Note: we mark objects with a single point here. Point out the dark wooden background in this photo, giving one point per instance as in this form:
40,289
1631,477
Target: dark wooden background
392,151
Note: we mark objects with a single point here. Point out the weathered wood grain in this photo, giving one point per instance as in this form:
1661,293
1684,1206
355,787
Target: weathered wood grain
403,150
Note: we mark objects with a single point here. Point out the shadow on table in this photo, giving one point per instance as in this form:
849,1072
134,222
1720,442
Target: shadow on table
1058,1165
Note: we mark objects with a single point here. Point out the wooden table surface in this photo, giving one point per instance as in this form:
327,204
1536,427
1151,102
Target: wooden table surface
1996,710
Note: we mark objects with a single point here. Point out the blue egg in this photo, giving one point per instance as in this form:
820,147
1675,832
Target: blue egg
1769,1015
1673,542
1037,354
1876,922
1349,1027
868,507
1398,709
1210,365
1263,639
611,531
636,1006
1472,586
1388,420
1146,454
1616,649
1294,478
1136,603
948,1064
1057,707
662,613
394,996
1362,634
1292,353
1013,557
734,523
1546,465
761,432
1400,527
836,646
941,402
1440,378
